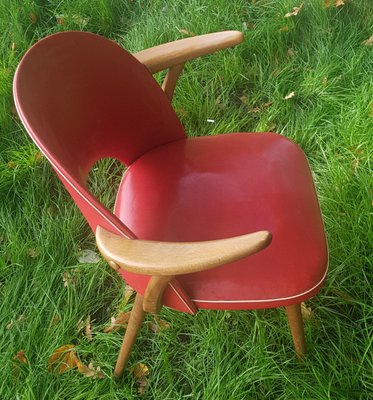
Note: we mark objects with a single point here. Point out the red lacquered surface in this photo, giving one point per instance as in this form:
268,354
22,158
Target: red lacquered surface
82,98
221,186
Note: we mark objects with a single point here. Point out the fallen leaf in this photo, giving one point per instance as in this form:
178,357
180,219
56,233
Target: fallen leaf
88,256
90,371
128,292
284,29
70,278
243,99
140,371
158,325
142,385
307,312
182,112
186,32
88,329
291,52
255,109
38,156
118,323
33,18
339,3
21,318
355,165
368,42
56,319
60,19
289,96
20,356
63,359
11,164
10,324
295,11
327,3
32,253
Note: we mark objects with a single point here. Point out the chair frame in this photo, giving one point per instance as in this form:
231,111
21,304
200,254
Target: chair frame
171,259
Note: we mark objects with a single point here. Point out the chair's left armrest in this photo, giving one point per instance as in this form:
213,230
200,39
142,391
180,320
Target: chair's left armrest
178,52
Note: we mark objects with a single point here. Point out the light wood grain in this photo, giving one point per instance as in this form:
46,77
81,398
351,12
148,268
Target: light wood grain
133,328
170,80
169,54
154,293
177,258
295,320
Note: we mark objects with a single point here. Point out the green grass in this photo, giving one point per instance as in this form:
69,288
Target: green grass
213,355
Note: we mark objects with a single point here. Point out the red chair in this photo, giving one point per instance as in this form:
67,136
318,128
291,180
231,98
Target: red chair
181,230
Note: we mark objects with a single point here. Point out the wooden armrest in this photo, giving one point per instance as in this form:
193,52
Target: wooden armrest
167,55
176,258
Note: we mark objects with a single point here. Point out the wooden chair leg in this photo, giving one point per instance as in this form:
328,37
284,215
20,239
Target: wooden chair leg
133,328
295,320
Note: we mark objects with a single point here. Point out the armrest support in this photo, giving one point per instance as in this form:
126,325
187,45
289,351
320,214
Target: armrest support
176,258
167,55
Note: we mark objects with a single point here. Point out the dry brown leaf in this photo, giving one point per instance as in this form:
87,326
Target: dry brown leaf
121,321
339,3
63,359
158,325
327,3
355,165
289,96
128,294
368,42
70,278
182,112
140,371
32,253
142,385
291,52
11,164
307,312
20,356
295,11
243,99
33,17
56,319
88,329
284,29
90,371
186,32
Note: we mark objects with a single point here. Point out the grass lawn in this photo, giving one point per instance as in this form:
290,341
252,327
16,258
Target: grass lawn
47,291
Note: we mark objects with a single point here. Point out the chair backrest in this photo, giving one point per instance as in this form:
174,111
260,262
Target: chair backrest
81,98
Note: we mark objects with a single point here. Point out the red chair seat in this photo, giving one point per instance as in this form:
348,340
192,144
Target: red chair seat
219,186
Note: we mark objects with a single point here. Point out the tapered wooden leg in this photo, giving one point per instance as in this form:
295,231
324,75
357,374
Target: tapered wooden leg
294,315
133,328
